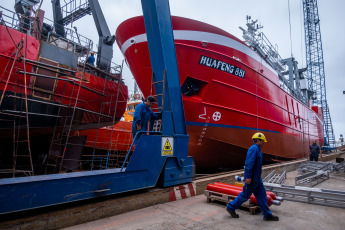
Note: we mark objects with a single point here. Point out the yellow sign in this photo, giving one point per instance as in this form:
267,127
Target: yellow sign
167,144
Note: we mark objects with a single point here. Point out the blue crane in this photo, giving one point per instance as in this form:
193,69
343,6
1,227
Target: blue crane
150,164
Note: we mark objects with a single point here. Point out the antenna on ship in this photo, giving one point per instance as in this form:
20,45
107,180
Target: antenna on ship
295,82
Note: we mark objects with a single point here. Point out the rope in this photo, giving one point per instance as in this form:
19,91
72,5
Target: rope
290,27
256,95
10,73
38,8
300,16
25,45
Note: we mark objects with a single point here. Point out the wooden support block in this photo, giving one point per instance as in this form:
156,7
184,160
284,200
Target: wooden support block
210,195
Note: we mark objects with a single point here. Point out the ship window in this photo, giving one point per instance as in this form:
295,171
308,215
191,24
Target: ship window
190,87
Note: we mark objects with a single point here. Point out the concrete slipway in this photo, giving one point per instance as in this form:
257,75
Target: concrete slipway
196,213
151,209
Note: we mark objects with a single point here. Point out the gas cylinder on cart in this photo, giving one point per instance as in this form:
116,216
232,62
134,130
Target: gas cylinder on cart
271,194
235,192
241,179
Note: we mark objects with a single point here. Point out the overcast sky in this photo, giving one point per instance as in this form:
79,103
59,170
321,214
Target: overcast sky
229,15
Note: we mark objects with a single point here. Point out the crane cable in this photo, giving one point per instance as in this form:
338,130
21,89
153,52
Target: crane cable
290,28
301,23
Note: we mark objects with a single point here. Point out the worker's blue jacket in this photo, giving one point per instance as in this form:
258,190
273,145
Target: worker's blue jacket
91,60
314,150
142,116
252,171
253,164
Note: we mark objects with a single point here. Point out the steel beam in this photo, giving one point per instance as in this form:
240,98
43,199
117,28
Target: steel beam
106,40
161,44
143,171
57,14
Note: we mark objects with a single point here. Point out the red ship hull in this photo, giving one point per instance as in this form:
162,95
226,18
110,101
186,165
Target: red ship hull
95,98
236,94
117,137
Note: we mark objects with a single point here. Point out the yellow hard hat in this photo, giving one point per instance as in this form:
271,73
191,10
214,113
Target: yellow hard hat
260,136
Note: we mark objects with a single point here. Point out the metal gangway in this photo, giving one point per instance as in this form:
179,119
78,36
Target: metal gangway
275,178
308,195
312,166
315,172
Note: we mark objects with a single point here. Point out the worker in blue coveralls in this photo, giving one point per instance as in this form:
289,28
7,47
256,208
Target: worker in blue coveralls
315,151
91,59
142,115
253,181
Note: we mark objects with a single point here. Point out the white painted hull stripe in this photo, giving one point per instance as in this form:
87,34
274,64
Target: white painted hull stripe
200,37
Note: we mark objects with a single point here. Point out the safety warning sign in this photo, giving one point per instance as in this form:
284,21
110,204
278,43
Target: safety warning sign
167,146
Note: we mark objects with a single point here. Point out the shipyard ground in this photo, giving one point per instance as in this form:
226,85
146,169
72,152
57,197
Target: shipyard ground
151,209
196,213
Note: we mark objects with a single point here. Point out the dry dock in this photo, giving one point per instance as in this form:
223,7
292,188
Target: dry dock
151,209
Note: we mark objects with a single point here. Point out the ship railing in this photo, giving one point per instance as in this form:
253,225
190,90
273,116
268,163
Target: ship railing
73,41
74,9
20,22
259,42
115,70
74,5
80,42
114,74
9,18
270,51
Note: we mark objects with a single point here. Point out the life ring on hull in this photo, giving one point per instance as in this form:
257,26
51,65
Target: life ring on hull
137,96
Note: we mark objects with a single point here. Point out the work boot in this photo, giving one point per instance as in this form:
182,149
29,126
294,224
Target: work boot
271,218
232,213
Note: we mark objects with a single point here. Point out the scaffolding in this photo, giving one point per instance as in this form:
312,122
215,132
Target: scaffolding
24,157
44,88
315,65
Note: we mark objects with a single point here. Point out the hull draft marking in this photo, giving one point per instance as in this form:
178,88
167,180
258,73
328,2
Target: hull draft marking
203,131
202,116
